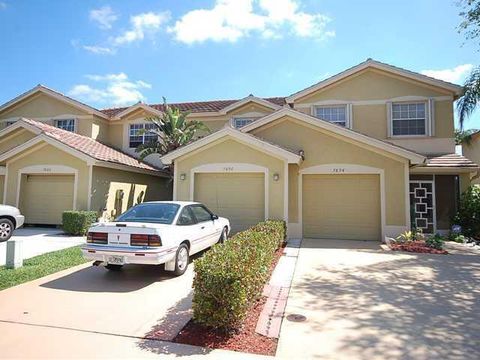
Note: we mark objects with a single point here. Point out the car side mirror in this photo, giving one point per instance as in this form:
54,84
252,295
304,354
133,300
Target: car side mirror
214,217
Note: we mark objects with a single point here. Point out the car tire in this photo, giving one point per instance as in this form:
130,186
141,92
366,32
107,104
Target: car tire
6,229
113,267
181,260
223,235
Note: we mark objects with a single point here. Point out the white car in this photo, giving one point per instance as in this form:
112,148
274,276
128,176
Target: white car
160,232
10,219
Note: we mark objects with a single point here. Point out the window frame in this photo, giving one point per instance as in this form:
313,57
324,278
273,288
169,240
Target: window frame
194,219
203,207
427,120
144,135
236,118
74,120
348,113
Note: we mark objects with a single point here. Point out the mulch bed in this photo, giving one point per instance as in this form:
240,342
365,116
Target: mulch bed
417,247
244,339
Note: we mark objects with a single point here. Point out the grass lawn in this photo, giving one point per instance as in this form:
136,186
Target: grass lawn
41,265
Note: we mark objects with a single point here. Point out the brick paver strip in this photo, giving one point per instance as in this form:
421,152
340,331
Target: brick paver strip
277,290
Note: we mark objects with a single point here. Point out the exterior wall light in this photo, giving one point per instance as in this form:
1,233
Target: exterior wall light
183,176
276,177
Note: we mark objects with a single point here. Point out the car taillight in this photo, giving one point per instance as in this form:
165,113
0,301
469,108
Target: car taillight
145,240
97,237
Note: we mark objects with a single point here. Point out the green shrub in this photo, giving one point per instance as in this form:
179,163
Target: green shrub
468,214
230,277
435,242
78,222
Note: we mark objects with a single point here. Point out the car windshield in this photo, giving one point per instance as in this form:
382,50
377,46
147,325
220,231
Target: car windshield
159,213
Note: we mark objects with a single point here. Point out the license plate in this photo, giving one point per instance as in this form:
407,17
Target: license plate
115,260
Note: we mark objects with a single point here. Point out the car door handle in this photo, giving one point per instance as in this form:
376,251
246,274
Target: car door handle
203,227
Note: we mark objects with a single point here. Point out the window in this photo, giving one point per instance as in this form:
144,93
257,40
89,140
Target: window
201,213
186,217
239,122
150,213
334,114
139,134
409,119
66,124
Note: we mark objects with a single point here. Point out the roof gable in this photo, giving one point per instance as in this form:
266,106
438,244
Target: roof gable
139,106
40,89
347,133
247,100
373,64
248,139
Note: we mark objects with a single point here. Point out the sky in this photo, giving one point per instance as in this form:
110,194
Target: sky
116,53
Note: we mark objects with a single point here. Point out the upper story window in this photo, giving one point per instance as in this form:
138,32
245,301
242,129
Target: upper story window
66,124
239,122
337,114
409,119
138,134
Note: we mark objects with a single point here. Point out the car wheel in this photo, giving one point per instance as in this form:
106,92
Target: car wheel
181,260
6,229
113,267
223,236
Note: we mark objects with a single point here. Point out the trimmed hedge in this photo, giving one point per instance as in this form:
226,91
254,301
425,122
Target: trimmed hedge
78,222
230,276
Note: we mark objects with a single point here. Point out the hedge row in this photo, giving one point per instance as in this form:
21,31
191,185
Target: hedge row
229,277
78,222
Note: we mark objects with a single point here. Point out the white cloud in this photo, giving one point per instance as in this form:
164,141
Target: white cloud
104,17
454,75
110,89
141,24
99,49
230,20
3,5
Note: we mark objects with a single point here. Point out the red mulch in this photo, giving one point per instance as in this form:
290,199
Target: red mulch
243,340
417,247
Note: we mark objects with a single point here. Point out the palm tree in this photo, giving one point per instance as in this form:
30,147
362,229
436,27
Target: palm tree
468,103
172,130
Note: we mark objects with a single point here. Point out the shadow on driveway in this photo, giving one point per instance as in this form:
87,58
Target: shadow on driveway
97,279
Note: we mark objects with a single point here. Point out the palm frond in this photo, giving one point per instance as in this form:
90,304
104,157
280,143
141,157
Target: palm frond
468,103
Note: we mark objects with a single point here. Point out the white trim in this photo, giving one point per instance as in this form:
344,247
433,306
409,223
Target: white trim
285,192
246,100
5,185
413,157
137,106
372,102
254,142
55,95
48,169
406,174
346,169
20,124
231,168
90,180
456,89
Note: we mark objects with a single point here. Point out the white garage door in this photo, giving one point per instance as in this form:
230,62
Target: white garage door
239,197
45,197
341,207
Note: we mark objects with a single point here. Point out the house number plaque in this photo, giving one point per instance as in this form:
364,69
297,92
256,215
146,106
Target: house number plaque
228,168
338,170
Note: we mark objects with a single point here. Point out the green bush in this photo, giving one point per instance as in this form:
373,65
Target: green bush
78,222
230,277
468,214
435,241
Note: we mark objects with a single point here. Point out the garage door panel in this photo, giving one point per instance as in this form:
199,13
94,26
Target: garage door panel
238,197
45,197
341,207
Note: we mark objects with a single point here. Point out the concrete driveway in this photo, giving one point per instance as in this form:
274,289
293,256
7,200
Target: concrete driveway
363,303
38,240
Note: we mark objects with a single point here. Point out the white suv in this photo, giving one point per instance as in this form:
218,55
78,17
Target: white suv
10,219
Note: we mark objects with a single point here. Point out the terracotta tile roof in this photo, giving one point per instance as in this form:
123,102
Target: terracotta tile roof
450,160
195,107
89,146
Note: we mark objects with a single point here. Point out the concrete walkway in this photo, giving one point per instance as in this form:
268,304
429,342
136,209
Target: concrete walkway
37,241
364,303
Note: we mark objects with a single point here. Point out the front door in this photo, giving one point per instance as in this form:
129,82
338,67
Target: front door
422,205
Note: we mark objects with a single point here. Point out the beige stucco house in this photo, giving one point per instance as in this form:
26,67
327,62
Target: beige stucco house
364,154
471,150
